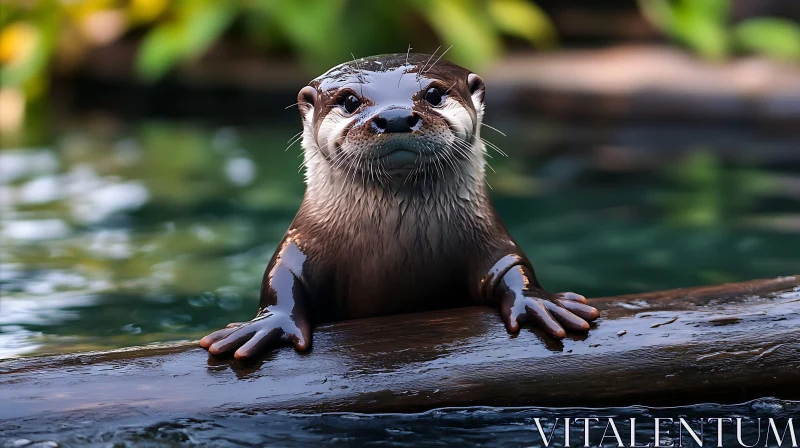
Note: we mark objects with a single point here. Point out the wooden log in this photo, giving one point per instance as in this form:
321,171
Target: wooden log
724,344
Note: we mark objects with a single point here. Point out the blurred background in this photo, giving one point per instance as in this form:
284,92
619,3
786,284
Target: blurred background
145,177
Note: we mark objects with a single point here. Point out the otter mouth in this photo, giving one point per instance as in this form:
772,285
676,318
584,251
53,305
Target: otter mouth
399,160
401,155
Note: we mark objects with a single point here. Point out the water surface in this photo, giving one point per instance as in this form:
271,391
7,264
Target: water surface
117,234
474,426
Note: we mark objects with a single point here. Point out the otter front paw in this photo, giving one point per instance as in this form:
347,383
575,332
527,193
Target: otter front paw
252,338
554,313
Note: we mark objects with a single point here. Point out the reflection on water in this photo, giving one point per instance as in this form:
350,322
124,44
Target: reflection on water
161,232
476,426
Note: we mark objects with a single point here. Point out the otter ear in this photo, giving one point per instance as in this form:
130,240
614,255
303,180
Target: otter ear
476,88
305,100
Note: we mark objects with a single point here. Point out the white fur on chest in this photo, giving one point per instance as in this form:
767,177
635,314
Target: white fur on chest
394,219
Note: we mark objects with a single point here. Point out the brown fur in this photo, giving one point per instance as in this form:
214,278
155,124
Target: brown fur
379,245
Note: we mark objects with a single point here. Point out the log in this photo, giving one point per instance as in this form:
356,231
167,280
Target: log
723,344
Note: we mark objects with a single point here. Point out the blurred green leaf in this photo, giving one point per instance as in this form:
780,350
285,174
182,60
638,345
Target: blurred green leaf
462,24
320,32
312,27
703,33
16,73
40,33
206,23
713,10
159,51
524,19
658,13
701,25
777,38
200,24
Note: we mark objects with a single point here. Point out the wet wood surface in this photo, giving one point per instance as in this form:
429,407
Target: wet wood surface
725,344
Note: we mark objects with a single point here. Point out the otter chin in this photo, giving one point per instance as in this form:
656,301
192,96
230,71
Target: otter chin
396,216
399,158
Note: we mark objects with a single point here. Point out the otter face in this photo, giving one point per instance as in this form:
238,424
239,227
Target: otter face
392,116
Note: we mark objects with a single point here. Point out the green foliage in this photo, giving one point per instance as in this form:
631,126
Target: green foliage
197,25
777,38
476,40
324,32
37,36
311,27
462,23
524,20
704,27
319,32
700,25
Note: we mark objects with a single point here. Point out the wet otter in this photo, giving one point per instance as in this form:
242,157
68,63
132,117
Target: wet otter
396,216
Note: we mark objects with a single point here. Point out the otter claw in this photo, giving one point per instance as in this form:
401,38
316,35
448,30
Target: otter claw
581,310
577,305
571,296
554,313
569,320
538,309
210,339
248,339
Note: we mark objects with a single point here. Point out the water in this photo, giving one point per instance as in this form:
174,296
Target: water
475,426
115,235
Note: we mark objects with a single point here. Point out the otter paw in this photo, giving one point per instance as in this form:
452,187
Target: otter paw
577,305
252,338
554,313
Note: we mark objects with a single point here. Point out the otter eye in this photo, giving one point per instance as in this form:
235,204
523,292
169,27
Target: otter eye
351,103
433,96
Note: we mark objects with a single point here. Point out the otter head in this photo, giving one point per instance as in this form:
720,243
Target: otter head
392,118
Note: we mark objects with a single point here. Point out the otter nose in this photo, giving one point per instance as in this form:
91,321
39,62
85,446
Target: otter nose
396,120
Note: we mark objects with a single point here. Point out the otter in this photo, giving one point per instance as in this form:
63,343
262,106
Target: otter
396,215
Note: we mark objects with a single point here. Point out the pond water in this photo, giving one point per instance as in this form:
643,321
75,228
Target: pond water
119,234
116,235
475,426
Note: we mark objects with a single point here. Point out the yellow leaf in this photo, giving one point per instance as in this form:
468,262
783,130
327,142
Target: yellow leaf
146,10
17,41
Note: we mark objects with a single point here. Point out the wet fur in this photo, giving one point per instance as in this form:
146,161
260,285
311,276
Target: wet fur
381,245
